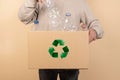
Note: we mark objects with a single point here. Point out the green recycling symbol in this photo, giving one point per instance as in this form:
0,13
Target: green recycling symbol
55,43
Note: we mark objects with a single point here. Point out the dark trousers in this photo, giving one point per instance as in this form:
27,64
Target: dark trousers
64,74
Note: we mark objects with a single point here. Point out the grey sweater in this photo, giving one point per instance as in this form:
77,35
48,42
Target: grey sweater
78,8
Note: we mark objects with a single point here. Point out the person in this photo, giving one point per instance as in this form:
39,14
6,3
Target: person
82,17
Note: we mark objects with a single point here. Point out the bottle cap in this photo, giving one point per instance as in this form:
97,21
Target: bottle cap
68,14
36,22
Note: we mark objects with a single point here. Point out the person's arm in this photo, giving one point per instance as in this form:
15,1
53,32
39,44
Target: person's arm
29,11
95,29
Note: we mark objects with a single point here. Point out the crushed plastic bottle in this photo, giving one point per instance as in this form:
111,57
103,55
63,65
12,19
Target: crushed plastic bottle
54,16
54,19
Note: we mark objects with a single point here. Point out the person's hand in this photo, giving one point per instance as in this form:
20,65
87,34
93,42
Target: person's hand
92,35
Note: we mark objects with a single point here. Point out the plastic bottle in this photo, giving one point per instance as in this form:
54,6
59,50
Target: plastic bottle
54,19
54,16
68,23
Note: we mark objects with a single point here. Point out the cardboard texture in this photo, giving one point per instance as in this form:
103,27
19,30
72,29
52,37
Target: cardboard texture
39,55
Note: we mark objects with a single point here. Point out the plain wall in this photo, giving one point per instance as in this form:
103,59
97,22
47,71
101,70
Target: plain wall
104,53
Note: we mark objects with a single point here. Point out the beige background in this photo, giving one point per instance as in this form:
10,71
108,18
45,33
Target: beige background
104,56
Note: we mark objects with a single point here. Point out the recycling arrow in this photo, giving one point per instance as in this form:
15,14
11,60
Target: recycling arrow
55,43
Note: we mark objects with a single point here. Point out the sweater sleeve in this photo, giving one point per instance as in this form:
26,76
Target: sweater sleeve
88,19
29,11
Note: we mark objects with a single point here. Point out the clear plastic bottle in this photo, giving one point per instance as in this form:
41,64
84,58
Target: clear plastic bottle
68,23
54,19
54,16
